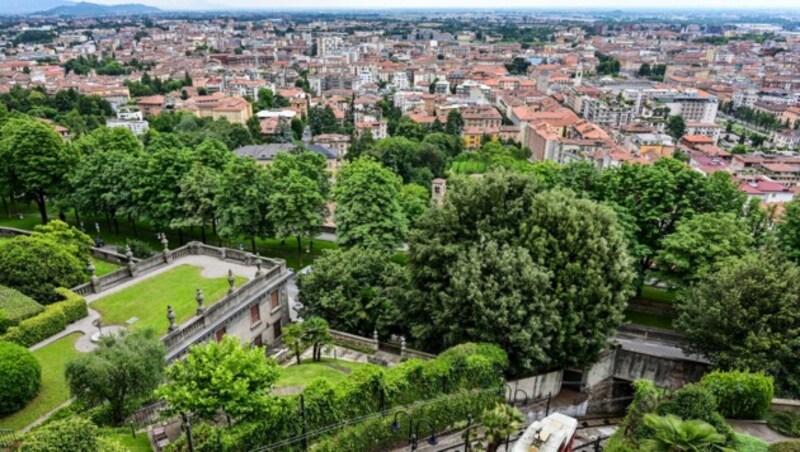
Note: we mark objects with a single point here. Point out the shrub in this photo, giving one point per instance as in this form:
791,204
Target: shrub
74,434
694,401
785,422
20,377
15,307
377,434
36,266
785,446
53,320
740,395
747,443
139,248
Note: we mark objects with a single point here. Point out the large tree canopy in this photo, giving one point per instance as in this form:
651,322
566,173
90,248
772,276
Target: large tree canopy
368,211
747,316
356,290
545,274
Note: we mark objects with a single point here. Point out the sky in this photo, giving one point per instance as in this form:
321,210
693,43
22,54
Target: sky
380,4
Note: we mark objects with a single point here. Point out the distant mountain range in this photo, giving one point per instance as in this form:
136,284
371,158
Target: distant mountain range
68,8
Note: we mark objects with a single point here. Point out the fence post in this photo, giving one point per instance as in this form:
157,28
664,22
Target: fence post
547,410
597,445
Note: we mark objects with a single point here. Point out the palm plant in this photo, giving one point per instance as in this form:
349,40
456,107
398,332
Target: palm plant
500,422
672,434
294,338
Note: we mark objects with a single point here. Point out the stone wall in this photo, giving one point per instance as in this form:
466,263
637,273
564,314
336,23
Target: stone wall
538,386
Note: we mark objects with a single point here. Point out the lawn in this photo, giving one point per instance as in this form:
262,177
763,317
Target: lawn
122,436
327,368
648,319
148,299
102,267
54,391
660,294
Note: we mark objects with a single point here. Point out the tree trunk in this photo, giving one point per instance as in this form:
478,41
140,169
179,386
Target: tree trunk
297,355
300,251
116,223
133,224
180,236
203,233
5,206
77,217
62,216
41,202
253,243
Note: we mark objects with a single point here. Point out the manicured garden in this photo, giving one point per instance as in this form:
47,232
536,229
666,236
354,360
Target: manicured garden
147,301
334,371
54,390
104,267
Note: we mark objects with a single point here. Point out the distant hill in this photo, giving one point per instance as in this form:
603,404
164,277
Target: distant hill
30,6
93,9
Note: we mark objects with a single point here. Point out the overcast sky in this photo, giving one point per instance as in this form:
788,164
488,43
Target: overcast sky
373,4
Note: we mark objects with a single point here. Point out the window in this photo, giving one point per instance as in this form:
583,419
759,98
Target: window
278,331
257,341
275,301
255,314
220,334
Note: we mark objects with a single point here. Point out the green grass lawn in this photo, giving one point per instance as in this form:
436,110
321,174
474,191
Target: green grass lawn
647,319
104,267
54,390
303,374
659,294
148,299
122,436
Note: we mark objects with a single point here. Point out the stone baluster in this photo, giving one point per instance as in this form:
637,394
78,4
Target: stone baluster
131,265
199,298
171,318
231,281
93,279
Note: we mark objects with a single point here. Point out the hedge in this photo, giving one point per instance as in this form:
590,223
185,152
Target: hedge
368,390
20,377
740,395
15,307
52,320
785,422
376,434
785,446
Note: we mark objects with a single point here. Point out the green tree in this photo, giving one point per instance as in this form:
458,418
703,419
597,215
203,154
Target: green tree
746,315
220,376
788,230
108,140
297,209
644,70
368,212
36,266
671,434
323,120
199,189
355,289
243,201
318,334
676,127
123,369
74,241
37,160
414,199
455,123
500,422
294,338
20,377
699,244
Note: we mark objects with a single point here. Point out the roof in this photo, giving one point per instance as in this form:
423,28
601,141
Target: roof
267,152
760,185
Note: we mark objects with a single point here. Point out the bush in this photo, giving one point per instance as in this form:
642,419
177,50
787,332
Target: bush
20,377
15,307
377,434
740,395
139,248
694,401
36,266
785,446
74,434
785,422
53,320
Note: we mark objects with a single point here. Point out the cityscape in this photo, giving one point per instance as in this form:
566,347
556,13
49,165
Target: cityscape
398,227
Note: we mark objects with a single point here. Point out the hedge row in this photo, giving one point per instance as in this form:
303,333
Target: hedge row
15,307
368,390
377,435
52,320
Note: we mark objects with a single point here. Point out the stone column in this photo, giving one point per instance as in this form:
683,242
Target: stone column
166,252
171,318
199,298
131,265
376,344
231,282
402,347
